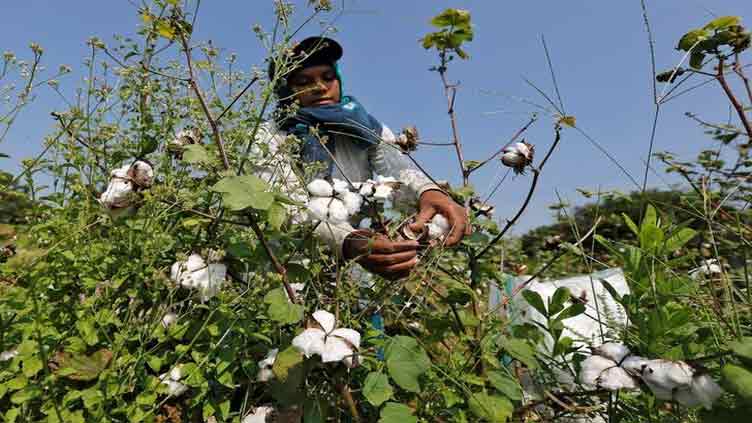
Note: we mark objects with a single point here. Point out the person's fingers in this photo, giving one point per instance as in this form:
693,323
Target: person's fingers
424,216
390,259
458,224
385,246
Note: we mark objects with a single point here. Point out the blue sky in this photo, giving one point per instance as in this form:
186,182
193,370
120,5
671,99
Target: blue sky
599,51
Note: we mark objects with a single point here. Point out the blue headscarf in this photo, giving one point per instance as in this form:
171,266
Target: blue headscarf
347,117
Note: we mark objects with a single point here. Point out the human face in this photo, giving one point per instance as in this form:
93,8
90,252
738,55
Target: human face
315,86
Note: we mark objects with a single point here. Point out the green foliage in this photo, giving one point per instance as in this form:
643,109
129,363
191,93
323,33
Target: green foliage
397,413
455,30
377,389
406,361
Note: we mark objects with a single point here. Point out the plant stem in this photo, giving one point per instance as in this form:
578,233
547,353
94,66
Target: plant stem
345,391
533,184
732,98
451,92
501,150
279,268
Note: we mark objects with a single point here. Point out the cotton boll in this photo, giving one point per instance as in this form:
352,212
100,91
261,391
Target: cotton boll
318,208
438,227
592,368
380,179
613,351
171,379
664,376
320,188
265,372
117,194
338,212
195,273
141,173
366,189
382,192
352,202
9,354
340,186
168,319
634,364
260,415
616,378
703,391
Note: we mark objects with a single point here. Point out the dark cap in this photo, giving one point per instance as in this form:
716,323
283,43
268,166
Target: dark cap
311,52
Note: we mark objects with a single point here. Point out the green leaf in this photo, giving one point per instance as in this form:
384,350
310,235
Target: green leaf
679,238
164,28
281,309
397,413
691,38
506,385
26,394
406,361
743,349
696,59
520,350
535,300
277,215
242,192
452,17
84,367
377,389
87,331
285,362
492,408
574,310
722,22
558,300
738,380
457,292
630,224
195,153
147,145
31,366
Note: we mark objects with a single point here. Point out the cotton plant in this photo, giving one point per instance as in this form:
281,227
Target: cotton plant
195,273
612,367
265,372
172,379
332,344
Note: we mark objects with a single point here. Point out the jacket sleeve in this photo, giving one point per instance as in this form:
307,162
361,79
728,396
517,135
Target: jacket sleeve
272,161
388,160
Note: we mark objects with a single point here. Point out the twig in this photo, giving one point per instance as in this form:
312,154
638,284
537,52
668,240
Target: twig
237,97
279,268
451,91
739,71
501,150
345,391
732,98
533,184
194,85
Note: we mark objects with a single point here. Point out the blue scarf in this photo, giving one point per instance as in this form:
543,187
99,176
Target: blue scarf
347,117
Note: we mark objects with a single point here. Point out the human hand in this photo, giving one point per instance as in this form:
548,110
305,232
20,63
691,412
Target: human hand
436,202
378,254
